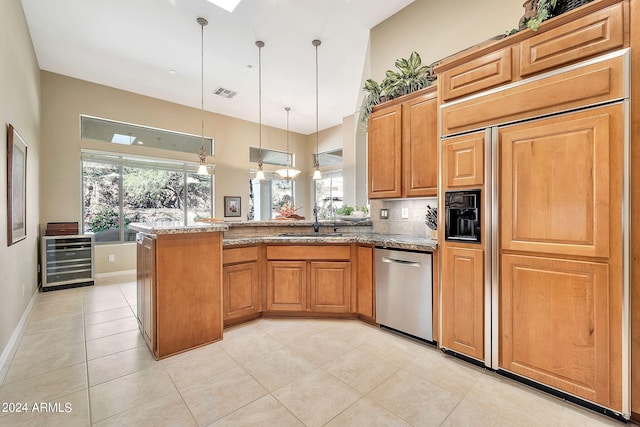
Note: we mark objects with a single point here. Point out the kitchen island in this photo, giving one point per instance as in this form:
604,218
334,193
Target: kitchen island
179,275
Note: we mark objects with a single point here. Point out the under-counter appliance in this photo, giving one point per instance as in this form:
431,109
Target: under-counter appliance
404,291
462,216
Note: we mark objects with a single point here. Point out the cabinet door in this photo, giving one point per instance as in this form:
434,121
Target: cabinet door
464,160
385,153
139,284
555,324
556,181
420,145
148,266
331,287
463,301
240,290
364,282
286,285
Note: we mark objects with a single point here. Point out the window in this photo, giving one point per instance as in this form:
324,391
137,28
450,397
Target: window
265,197
328,194
118,190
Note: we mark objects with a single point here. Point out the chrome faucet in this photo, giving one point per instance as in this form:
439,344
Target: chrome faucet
316,226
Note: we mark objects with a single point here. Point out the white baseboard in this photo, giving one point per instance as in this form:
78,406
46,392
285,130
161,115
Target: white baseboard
12,346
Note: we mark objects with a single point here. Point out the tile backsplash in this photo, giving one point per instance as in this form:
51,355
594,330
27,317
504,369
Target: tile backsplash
414,225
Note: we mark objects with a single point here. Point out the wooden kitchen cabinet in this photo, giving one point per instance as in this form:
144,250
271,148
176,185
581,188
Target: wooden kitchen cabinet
565,306
385,152
420,145
330,287
146,290
241,283
464,160
365,297
403,147
181,278
286,285
478,74
309,278
462,296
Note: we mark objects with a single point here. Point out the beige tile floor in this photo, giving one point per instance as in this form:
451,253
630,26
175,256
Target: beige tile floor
81,350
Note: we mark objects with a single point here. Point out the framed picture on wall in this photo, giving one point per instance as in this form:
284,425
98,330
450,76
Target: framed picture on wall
232,206
16,187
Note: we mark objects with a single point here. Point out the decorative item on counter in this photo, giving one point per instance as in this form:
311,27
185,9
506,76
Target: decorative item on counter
431,220
348,213
287,211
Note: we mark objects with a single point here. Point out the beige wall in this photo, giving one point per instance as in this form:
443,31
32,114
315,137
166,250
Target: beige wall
19,106
65,98
437,29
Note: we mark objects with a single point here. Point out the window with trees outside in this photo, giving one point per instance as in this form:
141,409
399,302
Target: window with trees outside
118,190
328,194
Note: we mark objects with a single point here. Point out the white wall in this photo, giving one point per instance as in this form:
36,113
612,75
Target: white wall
19,106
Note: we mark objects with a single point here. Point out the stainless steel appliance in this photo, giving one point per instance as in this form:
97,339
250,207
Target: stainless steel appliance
404,291
462,216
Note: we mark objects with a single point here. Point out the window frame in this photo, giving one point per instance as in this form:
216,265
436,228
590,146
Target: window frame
122,160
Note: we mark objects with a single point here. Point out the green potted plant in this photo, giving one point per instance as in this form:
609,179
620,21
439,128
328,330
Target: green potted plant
410,77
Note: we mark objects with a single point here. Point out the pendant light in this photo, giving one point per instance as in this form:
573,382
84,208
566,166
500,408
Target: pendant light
202,169
260,173
316,164
289,172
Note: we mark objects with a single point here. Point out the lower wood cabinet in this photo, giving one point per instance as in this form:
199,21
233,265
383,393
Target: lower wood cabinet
179,279
146,281
312,278
286,285
330,287
463,301
555,324
240,283
365,298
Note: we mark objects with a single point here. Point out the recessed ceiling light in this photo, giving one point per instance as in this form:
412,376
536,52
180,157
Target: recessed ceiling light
173,72
227,5
140,142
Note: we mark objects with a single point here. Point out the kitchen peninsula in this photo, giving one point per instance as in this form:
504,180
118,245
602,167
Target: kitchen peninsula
179,275
192,282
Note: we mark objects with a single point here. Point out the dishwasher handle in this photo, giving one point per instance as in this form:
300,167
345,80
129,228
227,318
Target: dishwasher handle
400,261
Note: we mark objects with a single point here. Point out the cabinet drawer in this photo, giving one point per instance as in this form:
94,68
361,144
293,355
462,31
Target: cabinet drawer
302,252
594,34
237,255
479,74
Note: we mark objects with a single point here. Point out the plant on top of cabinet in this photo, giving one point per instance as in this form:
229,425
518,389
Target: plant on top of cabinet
412,76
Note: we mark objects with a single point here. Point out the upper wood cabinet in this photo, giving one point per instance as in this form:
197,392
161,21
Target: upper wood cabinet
476,75
385,152
403,147
593,34
463,160
564,40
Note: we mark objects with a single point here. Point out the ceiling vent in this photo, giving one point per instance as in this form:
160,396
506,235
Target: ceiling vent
225,93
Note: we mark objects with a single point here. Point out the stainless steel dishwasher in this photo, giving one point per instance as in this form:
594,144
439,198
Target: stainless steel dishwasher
404,292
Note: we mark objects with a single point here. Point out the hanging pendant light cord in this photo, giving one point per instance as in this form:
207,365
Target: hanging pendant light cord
202,22
260,45
316,43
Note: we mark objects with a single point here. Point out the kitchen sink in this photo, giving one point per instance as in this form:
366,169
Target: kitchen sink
311,235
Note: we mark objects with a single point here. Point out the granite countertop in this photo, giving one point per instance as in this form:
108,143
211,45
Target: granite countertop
392,241
177,227
298,223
